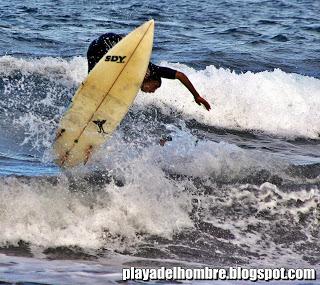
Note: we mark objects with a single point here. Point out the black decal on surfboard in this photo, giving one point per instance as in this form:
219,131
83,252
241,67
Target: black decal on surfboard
121,58
115,58
100,125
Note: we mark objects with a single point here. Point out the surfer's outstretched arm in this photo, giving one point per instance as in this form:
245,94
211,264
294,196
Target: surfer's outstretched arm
187,83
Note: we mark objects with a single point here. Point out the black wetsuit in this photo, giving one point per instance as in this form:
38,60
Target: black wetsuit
100,46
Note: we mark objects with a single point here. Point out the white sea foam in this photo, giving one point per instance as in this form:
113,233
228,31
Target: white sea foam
95,216
272,101
51,215
150,202
69,72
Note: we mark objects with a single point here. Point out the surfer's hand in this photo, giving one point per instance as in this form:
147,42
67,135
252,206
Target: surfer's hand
199,100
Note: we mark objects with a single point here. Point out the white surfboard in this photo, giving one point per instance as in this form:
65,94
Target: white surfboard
104,98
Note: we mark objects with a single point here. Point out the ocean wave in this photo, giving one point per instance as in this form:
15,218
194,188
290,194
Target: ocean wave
183,218
274,102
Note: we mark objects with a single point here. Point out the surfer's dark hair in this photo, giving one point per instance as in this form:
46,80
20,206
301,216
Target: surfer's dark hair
152,75
155,78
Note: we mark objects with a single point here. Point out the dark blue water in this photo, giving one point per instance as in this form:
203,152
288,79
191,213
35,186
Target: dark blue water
238,185
239,35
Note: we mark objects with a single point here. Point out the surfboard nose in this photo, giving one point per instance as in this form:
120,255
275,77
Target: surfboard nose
147,25
151,22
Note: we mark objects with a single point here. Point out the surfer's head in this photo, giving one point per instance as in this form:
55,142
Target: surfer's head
150,85
151,81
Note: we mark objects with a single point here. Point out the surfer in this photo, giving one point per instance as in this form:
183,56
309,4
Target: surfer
152,80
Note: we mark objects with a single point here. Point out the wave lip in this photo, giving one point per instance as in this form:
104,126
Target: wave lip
274,102
36,92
